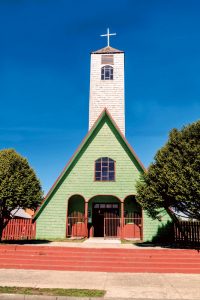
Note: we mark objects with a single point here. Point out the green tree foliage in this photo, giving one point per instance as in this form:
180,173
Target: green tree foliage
173,179
19,186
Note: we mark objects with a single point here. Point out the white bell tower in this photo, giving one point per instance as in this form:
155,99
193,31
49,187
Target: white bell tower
107,84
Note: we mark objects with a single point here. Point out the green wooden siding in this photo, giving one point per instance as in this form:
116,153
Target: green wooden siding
154,230
105,141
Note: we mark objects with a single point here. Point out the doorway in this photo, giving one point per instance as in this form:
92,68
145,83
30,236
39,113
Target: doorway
102,212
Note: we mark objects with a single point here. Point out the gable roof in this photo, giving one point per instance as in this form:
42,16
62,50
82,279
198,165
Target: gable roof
105,114
107,50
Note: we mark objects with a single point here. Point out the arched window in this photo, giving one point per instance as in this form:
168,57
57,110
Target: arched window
107,73
104,169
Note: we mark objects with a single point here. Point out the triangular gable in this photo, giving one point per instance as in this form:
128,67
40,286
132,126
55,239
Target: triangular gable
98,124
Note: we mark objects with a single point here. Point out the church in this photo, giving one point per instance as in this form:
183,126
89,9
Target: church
94,196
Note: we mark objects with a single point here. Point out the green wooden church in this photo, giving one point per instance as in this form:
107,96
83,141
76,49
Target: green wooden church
94,196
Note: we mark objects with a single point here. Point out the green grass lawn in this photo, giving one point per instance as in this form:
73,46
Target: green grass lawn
52,292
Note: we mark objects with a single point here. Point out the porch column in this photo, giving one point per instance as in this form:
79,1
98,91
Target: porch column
67,229
122,219
86,218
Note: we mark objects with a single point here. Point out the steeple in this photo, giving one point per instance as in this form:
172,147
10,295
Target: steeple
107,84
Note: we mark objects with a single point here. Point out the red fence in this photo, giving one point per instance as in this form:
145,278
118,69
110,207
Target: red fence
131,228
77,227
112,227
187,232
19,229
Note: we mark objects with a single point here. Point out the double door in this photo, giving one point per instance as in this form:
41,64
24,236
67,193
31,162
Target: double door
105,219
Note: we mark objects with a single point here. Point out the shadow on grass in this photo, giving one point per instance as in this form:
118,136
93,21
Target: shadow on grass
38,242
165,238
174,245
24,242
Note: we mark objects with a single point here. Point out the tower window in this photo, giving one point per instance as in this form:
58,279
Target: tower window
107,73
107,59
104,169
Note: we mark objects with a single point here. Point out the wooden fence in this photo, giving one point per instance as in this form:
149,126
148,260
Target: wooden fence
186,232
77,227
19,229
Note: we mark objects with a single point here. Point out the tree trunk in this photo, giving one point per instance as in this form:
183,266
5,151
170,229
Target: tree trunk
1,226
4,219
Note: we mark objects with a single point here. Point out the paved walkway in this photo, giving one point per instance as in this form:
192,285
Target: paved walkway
94,243
117,285
91,243
88,243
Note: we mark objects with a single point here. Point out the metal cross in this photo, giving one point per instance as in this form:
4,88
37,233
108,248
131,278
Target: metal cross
108,34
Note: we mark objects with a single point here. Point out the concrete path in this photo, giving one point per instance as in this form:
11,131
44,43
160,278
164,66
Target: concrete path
88,243
94,242
117,285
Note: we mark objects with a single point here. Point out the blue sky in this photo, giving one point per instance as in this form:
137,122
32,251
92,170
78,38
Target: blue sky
44,73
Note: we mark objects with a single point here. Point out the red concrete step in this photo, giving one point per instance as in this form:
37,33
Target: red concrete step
97,250
92,252
100,259
106,269
63,252
104,260
102,254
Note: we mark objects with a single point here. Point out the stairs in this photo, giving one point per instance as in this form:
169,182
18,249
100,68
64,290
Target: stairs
99,260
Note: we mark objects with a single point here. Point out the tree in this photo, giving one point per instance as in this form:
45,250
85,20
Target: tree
173,179
19,186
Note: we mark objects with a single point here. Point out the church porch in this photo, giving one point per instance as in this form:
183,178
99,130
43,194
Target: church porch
104,216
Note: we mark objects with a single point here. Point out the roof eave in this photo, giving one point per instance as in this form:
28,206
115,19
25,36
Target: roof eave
67,166
107,50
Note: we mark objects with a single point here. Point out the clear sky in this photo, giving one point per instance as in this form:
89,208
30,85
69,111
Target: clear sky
45,50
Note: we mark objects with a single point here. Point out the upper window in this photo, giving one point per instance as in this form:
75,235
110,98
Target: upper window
107,73
107,59
104,169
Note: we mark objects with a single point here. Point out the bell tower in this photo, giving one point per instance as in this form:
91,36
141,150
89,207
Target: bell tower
107,84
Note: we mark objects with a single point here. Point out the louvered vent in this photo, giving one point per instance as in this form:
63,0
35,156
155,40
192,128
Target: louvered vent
107,59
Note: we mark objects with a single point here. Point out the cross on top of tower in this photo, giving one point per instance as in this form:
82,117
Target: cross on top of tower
108,34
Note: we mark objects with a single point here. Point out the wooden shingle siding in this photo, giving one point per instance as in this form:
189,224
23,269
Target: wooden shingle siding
107,93
153,228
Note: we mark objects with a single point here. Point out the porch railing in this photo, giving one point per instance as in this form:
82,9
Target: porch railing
117,227
112,227
77,227
132,228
